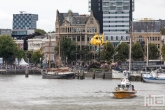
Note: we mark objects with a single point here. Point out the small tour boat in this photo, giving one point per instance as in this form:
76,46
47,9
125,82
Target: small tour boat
124,90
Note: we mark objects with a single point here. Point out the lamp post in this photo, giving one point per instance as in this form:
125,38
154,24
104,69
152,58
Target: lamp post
76,58
41,61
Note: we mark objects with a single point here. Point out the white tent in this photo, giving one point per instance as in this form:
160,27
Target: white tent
23,63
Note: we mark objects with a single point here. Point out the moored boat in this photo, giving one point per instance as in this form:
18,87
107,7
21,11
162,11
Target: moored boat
57,73
119,74
157,76
124,90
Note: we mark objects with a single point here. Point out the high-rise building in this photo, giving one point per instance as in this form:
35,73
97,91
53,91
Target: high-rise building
114,16
24,24
24,20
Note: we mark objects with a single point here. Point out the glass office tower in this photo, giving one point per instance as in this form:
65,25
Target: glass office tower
115,19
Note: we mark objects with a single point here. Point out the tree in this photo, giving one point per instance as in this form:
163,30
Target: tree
153,51
107,52
20,54
163,31
36,57
41,31
8,48
67,48
137,52
85,53
122,51
163,52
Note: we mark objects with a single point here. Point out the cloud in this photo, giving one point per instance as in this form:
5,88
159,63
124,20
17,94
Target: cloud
149,9
5,20
46,24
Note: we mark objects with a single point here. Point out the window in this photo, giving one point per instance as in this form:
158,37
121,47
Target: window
88,38
121,37
158,46
99,8
116,37
106,37
82,38
126,37
158,38
78,38
74,38
111,37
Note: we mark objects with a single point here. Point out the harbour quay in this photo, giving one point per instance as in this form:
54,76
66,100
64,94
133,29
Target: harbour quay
20,71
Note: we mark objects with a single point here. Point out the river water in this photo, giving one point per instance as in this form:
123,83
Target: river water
35,93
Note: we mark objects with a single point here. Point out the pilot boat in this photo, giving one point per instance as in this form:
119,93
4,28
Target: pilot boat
124,90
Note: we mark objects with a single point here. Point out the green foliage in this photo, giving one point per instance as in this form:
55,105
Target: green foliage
67,49
123,51
85,53
41,31
163,52
8,48
36,57
107,52
137,52
153,51
20,54
163,31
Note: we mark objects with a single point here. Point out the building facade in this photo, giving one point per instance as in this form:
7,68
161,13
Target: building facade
79,28
116,18
21,33
5,32
24,24
47,43
20,44
148,29
25,20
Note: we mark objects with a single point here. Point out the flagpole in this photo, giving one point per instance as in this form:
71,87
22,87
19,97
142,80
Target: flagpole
130,46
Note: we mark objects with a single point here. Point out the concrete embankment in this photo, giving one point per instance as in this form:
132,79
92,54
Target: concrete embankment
20,71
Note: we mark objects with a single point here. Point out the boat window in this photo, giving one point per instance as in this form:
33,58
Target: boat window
123,86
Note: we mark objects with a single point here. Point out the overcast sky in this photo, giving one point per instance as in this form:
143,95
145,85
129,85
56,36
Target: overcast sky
46,10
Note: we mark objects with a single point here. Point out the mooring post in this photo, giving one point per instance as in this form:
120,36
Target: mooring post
26,72
94,75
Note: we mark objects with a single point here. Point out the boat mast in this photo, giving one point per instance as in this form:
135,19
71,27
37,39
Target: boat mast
147,48
130,46
59,45
49,49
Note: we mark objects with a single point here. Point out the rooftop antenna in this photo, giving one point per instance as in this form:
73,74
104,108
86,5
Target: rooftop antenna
22,12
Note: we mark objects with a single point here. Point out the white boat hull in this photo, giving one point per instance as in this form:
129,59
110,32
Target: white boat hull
154,80
118,75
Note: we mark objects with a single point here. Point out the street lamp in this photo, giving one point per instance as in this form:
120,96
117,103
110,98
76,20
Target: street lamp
41,61
76,58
